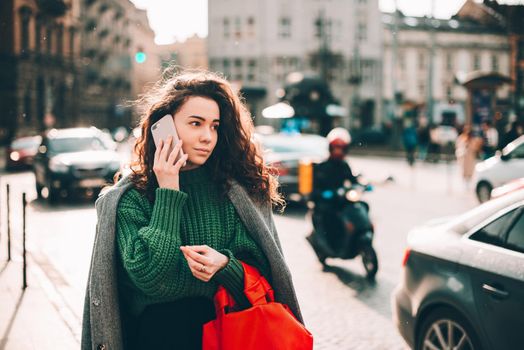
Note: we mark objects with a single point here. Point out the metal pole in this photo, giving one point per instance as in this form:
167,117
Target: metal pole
24,204
429,101
8,225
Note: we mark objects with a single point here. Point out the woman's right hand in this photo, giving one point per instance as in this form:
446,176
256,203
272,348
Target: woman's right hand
165,167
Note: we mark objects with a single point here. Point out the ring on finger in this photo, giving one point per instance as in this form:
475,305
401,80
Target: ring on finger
203,268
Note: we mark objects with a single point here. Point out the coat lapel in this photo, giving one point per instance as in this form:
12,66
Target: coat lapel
252,219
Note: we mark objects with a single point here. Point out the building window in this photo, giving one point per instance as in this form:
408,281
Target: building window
421,89
38,34
238,69
362,31
476,62
48,39
238,28
402,60
494,63
252,66
226,28
421,61
60,40
25,14
72,41
251,27
284,27
227,67
449,62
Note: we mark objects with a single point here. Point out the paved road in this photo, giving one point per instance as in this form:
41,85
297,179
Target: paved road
341,308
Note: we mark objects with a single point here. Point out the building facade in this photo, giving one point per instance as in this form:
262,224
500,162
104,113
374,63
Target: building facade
39,65
511,19
423,58
256,44
190,53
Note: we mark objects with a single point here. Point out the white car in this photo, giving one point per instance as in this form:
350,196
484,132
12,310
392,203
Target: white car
500,169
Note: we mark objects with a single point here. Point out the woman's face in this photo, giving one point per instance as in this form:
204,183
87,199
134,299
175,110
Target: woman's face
197,123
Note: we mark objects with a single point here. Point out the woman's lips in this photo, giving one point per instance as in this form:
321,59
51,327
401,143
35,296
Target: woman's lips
202,150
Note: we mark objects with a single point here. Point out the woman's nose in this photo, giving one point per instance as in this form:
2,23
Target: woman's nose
206,135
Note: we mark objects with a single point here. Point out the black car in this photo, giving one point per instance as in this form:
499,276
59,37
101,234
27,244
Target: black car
74,159
463,280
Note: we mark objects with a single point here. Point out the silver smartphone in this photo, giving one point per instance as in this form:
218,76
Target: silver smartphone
164,128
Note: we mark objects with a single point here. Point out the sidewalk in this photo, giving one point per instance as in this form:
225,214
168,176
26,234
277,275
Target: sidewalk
31,319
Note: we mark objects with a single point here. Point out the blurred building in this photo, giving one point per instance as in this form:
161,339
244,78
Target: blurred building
39,65
190,53
256,44
146,55
119,59
423,57
511,19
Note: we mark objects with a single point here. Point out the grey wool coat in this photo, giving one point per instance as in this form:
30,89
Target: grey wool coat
101,325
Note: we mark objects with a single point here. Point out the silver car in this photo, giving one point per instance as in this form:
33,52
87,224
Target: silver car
284,151
463,280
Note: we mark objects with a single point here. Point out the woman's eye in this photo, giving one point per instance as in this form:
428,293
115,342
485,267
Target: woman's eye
194,123
216,126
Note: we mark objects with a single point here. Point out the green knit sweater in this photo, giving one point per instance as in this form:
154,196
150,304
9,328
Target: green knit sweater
149,235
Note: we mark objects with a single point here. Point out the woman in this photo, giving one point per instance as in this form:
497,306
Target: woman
169,234
467,148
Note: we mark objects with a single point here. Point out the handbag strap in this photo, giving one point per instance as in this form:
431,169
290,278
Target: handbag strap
256,288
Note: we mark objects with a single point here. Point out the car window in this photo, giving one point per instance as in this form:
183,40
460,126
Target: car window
75,144
518,152
310,146
23,143
516,236
493,233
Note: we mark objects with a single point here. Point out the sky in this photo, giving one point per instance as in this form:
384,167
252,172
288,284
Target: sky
179,19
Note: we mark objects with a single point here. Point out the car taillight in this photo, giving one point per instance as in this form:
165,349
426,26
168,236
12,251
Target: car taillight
406,257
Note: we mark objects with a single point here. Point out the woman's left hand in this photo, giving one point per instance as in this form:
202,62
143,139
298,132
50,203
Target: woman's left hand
204,261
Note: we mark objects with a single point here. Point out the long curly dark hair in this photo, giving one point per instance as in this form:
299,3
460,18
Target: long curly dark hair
235,156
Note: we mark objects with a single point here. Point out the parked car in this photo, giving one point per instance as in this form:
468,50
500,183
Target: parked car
284,151
500,169
72,159
445,135
463,280
21,152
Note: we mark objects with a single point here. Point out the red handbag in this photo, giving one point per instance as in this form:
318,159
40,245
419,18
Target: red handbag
265,325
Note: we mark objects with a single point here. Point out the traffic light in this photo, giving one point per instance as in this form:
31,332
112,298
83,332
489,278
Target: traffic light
140,56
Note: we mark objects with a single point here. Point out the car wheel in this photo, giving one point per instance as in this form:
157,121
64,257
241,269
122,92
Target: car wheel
484,192
445,329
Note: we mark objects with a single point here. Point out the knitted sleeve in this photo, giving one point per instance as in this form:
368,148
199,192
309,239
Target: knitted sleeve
150,246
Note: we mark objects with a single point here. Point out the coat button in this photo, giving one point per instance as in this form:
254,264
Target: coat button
96,302
101,347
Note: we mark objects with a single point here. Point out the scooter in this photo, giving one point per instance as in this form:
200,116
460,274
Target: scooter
344,230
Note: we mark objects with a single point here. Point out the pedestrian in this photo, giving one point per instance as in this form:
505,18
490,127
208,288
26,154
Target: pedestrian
467,148
409,137
434,144
174,229
423,138
490,137
515,131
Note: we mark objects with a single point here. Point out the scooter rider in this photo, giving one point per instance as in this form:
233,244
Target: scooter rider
328,177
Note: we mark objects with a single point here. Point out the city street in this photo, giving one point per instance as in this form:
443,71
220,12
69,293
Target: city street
341,308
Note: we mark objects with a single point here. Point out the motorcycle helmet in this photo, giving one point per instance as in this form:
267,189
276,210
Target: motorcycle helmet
339,140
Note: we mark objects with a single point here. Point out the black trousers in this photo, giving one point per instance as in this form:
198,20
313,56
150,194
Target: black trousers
175,325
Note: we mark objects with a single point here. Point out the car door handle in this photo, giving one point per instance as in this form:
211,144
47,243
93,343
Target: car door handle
499,293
